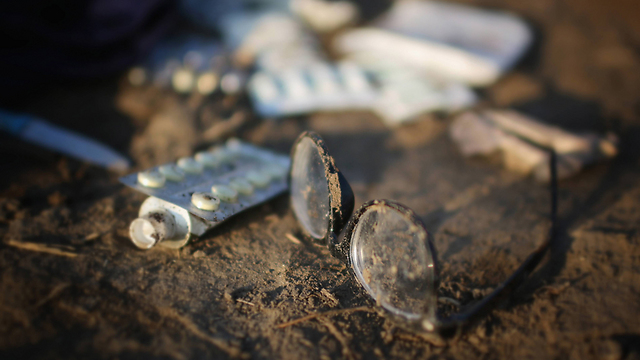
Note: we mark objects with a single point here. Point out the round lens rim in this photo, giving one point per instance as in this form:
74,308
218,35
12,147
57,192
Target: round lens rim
428,320
341,198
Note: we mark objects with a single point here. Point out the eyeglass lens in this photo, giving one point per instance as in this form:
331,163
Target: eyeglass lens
391,259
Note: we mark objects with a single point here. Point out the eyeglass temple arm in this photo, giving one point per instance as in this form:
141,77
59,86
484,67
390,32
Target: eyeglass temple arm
455,322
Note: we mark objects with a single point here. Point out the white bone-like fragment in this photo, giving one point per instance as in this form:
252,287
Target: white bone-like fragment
522,142
325,16
474,135
561,141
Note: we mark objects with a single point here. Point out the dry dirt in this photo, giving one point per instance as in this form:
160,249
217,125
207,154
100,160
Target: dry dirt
73,286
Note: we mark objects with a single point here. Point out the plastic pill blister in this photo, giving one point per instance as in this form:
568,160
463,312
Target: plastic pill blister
197,193
318,87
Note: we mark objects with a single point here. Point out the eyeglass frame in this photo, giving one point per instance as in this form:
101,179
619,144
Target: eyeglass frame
343,222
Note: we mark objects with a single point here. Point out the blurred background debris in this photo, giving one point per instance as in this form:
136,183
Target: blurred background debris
445,106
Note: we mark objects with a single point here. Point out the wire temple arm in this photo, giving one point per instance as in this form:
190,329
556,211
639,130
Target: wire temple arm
453,324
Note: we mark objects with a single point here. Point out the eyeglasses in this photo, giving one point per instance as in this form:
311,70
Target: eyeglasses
385,244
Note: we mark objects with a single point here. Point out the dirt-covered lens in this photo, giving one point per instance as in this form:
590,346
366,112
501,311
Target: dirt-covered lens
393,261
310,189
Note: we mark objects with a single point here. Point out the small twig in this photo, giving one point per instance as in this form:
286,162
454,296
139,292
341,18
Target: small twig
245,302
40,248
346,351
326,313
92,236
448,300
54,292
231,350
293,239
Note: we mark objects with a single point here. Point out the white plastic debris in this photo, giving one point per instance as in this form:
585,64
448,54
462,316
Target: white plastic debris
397,95
320,87
523,141
325,16
456,42
273,41
193,202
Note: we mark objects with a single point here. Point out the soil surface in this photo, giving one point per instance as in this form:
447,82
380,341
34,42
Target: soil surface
73,286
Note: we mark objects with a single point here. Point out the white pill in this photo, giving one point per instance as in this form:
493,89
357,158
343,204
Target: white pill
207,83
233,148
182,80
276,171
205,201
242,186
265,87
224,193
190,165
234,144
231,83
222,153
208,159
137,76
151,178
171,172
258,179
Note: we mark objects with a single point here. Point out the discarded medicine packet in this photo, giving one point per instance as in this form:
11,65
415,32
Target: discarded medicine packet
197,193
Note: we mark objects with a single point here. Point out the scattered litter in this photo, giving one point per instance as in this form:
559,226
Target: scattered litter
320,87
272,41
216,185
523,140
325,16
405,94
396,95
456,42
187,63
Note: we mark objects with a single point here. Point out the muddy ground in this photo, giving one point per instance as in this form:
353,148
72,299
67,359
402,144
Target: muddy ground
73,286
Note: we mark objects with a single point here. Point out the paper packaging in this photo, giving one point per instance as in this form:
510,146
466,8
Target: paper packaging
522,141
454,42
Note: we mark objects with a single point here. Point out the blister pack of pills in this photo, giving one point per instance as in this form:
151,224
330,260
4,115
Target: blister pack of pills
397,95
196,193
317,87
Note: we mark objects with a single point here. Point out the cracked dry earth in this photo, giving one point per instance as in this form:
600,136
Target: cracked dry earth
73,286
